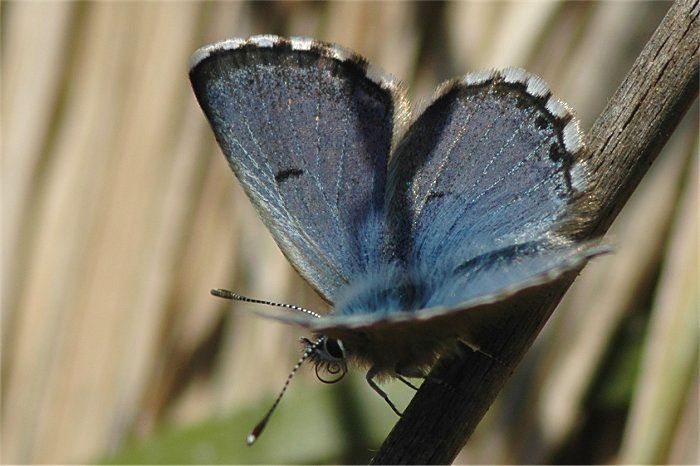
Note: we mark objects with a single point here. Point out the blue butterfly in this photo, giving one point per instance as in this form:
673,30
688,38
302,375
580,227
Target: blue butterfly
415,233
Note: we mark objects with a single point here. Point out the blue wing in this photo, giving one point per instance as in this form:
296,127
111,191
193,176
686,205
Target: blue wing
307,129
491,164
485,196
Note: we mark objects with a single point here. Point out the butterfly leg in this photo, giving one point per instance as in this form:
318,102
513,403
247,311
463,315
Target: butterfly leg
370,375
477,349
398,376
415,374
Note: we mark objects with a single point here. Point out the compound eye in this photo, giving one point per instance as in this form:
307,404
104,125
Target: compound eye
334,348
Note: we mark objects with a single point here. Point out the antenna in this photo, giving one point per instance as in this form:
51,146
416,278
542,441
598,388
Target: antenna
226,294
257,430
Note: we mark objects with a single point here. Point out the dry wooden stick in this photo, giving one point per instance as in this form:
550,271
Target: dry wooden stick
624,141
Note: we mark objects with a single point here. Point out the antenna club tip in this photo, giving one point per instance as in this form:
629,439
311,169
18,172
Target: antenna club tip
250,439
219,293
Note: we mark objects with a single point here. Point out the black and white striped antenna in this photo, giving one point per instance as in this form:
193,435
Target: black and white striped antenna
310,348
226,294
257,430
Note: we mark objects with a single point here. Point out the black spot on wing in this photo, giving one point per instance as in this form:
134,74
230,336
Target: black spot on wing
541,122
434,195
283,175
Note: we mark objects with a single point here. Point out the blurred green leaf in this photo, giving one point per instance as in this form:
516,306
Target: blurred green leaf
305,429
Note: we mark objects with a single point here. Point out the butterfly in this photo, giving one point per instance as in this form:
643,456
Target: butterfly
415,231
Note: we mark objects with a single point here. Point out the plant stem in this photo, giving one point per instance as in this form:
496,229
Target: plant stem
622,144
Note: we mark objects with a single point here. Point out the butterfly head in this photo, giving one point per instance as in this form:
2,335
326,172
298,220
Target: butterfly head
328,355
329,358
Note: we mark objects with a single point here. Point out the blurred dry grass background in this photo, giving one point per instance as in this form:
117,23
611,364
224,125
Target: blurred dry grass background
119,214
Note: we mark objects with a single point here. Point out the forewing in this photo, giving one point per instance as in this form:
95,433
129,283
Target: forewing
307,129
492,162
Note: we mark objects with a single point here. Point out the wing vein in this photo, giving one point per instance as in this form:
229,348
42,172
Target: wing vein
441,167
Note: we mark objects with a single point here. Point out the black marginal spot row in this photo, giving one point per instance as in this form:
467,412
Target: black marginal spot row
251,53
283,175
557,151
524,99
321,49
